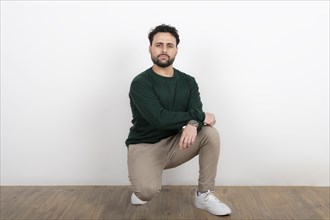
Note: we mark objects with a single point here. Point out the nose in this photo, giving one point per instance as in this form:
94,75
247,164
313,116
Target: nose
164,49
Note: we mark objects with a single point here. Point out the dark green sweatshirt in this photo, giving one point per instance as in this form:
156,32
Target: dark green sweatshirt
161,106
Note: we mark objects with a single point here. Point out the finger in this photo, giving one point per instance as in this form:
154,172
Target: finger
193,140
185,143
189,142
181,142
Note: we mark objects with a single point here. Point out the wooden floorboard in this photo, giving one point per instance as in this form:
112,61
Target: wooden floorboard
174,202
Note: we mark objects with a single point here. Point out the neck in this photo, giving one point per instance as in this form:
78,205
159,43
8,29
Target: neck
166,72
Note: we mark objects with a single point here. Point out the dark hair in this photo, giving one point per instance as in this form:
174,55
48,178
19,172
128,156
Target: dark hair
164,29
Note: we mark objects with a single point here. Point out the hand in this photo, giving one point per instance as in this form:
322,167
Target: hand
209,119
188,136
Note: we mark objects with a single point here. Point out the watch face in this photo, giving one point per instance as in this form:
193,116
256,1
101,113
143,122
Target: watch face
194,123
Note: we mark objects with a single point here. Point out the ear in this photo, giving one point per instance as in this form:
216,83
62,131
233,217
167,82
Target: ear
149,48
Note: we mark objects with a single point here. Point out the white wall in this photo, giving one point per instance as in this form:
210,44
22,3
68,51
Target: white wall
66,67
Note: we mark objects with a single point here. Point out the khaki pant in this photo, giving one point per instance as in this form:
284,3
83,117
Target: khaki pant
146,162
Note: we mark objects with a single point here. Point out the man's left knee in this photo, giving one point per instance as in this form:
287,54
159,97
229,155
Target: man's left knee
211,134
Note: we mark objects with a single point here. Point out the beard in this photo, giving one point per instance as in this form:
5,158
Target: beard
162,63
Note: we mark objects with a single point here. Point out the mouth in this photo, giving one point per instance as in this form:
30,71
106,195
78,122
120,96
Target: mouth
163,56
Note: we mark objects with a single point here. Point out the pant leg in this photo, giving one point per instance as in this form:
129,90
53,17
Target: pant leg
207,145
145,166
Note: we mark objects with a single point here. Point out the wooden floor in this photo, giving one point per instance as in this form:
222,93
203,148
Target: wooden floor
174,202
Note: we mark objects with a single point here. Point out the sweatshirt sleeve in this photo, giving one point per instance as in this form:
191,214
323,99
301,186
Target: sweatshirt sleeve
148,105
196,105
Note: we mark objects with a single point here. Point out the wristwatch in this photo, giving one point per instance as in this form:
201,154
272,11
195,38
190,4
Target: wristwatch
193,123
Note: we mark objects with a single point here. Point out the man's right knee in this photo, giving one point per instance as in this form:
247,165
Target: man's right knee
146,193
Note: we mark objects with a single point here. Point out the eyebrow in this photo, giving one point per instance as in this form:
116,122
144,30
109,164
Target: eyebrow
163,43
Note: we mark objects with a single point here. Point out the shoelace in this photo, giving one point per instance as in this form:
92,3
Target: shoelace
211,197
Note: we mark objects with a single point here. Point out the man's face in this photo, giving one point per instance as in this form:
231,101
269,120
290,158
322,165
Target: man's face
163,49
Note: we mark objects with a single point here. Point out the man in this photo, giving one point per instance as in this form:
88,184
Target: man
170,126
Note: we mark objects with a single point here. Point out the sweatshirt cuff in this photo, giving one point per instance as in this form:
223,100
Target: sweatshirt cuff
197,114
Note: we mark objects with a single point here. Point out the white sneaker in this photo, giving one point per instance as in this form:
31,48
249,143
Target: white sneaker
209,202
136,201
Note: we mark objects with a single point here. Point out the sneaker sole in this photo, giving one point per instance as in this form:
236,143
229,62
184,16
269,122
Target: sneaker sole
197,205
